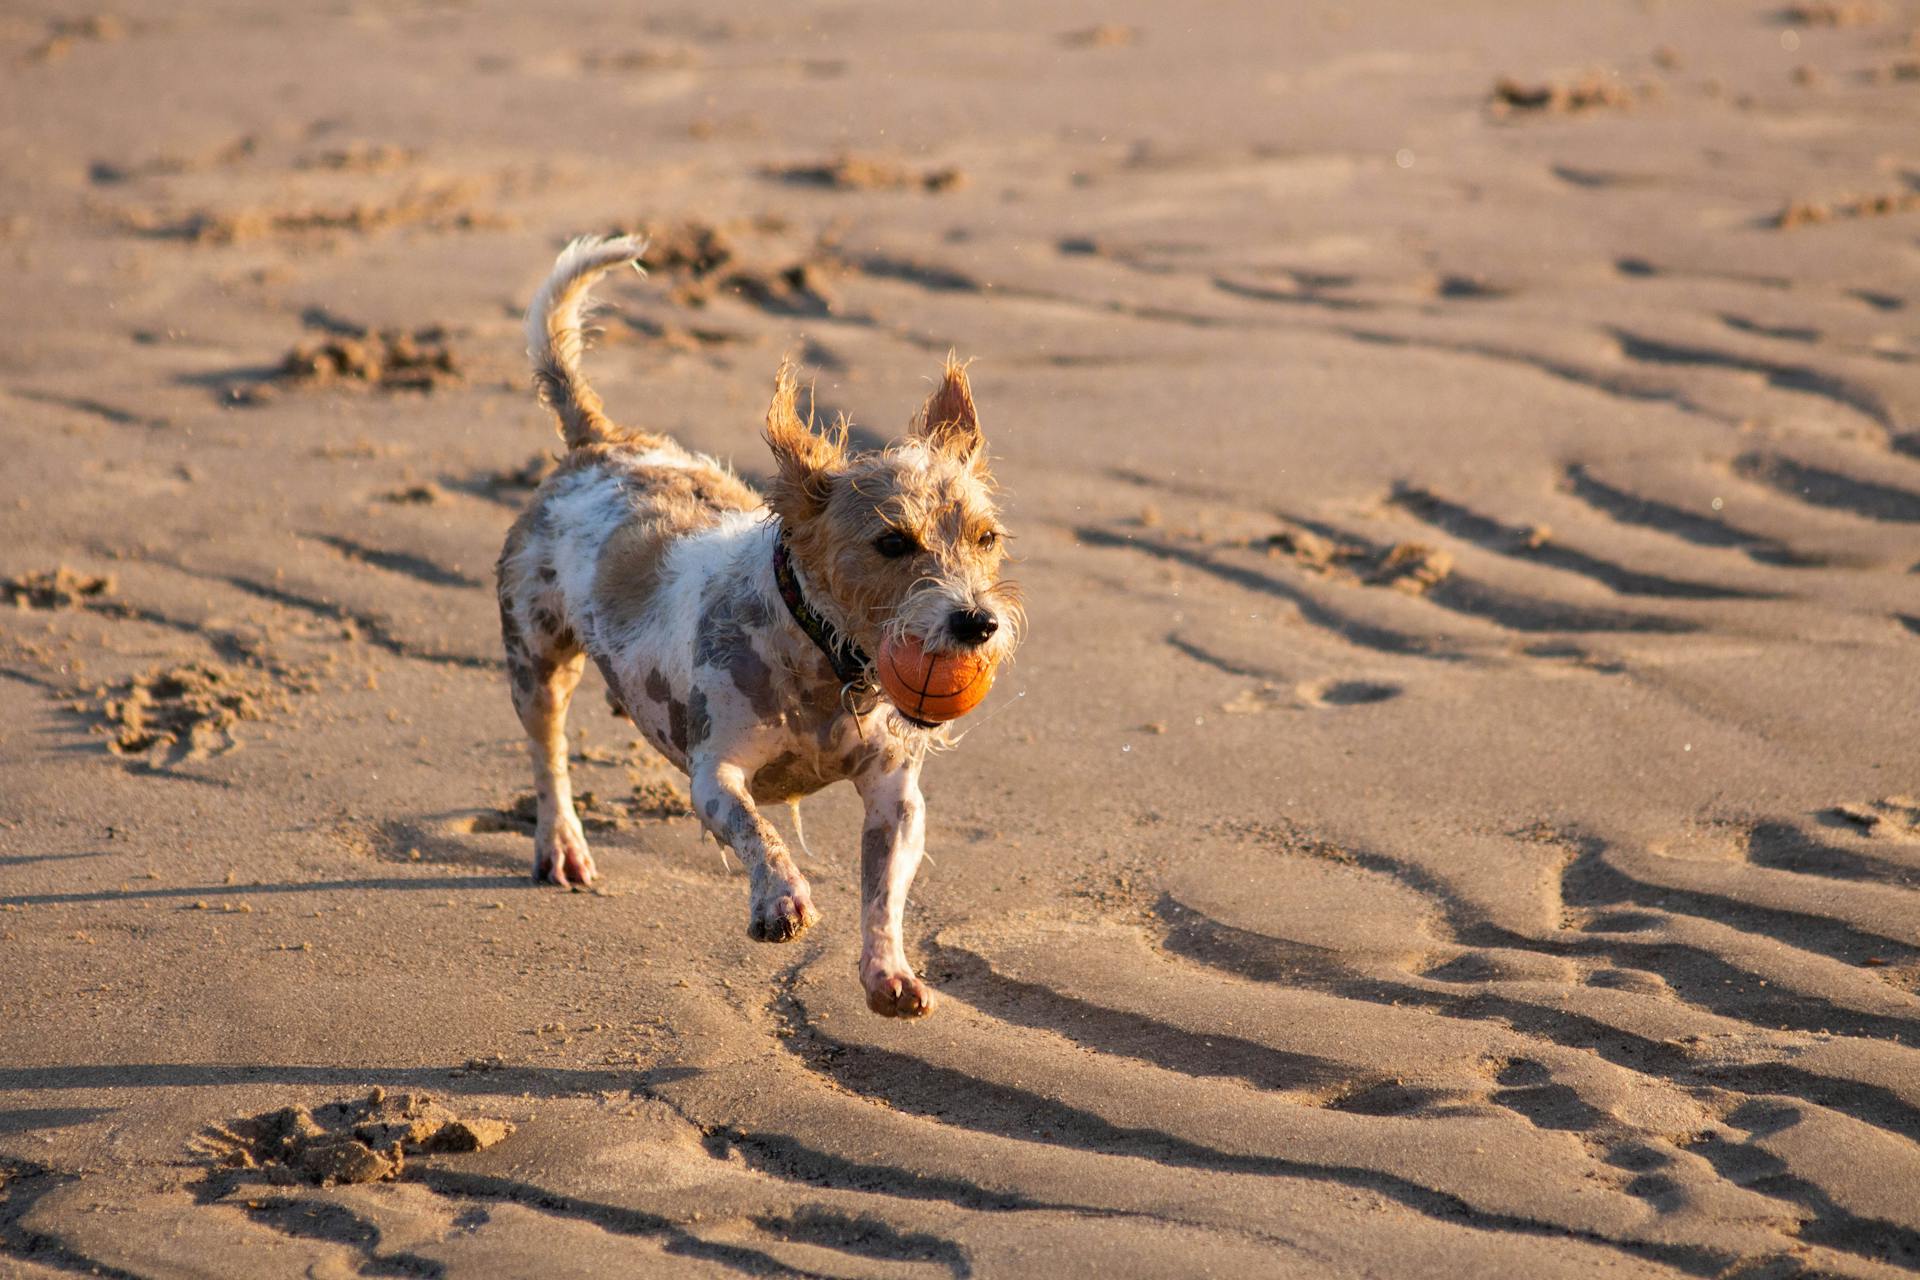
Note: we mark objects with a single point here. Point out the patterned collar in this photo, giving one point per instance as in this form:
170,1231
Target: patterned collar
850,664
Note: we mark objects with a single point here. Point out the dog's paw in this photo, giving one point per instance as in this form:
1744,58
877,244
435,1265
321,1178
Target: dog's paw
899,995
782,914
560,856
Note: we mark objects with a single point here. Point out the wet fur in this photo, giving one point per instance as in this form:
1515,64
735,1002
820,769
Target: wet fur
657,564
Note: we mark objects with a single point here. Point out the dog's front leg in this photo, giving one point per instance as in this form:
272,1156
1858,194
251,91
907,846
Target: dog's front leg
891,844
782,903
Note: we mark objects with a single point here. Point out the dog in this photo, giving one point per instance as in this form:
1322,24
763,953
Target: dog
734,630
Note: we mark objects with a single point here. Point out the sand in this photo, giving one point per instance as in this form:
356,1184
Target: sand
1456,811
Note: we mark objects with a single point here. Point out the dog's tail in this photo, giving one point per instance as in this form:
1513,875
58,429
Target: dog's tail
554,342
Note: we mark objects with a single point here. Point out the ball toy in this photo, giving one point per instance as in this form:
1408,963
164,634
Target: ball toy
934,687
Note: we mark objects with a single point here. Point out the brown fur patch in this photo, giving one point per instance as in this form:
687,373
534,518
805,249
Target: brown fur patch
678,501
785,777
806,458
949,421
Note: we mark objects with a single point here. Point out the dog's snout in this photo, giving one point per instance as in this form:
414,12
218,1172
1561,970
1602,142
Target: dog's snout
972,626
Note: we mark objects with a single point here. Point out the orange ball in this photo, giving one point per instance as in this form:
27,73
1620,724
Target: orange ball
935,687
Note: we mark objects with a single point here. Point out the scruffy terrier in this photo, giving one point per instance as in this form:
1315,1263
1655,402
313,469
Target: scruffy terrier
734,631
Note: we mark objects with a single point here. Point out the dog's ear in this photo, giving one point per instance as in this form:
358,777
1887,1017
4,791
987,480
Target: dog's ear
806,458
949,421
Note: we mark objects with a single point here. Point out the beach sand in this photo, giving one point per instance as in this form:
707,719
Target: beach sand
1454,814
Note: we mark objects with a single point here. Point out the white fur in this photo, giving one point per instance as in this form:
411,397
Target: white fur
562,298
665,633
586,509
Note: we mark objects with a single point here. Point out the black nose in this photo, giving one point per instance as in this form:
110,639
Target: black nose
972,626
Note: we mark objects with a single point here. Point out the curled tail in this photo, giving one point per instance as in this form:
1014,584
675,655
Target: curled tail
553,336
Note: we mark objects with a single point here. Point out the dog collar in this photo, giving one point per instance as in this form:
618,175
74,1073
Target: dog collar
854,669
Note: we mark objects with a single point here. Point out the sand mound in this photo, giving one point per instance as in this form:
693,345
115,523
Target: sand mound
64,34
388,359
442,206
696,249
351,1142
190,709
1809,213
704,260
1590,92
1406,566
58,588
862,173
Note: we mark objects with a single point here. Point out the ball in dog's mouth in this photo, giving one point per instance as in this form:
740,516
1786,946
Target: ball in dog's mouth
932,687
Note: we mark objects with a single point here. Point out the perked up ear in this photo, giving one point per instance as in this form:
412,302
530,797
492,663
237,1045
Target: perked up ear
949,421
806,458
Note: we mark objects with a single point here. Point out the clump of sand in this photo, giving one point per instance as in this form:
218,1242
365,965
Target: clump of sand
190,709
1834,13
442,206
847,172
627,61
350,1142
799,289
1108,35
1413,567
59,588
659,799
1894,818
361,157
1807,213
63,34
1592,91
387,359
696,249
704,260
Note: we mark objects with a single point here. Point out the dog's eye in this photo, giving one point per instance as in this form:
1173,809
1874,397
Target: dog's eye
893,544
988,539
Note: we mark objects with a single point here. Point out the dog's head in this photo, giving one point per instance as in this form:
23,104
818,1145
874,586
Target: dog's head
903,541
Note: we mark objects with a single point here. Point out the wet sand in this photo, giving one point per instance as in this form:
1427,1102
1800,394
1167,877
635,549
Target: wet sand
1455,813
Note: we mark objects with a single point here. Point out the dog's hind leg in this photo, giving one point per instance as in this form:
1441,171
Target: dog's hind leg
545,667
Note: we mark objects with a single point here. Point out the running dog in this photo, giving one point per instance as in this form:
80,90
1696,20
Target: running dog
734,630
